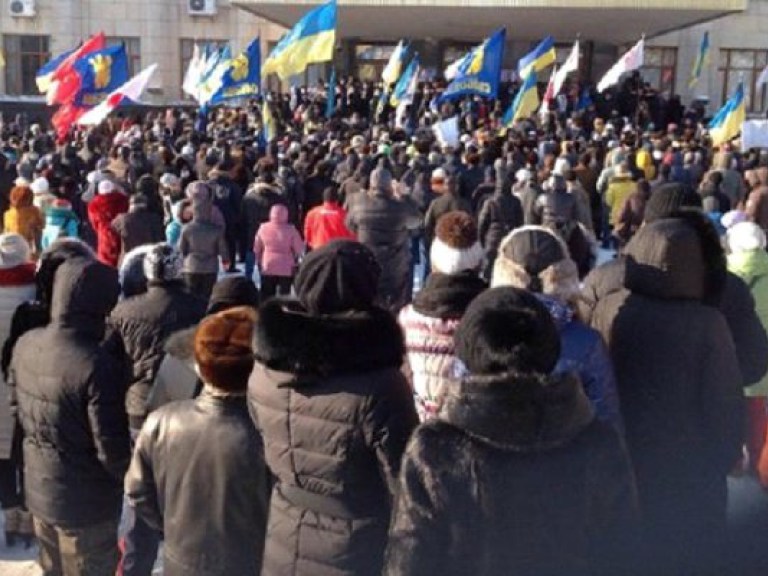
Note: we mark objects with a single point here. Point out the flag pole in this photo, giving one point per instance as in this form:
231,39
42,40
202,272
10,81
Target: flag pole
639,90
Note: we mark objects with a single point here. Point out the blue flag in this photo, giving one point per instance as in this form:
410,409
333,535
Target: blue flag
585,100
243,77
101,72
330,102
480,71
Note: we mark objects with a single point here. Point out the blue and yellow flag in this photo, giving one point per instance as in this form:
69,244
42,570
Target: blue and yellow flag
212,79
45,73
701,60
526,101
404,86
395,64
480,70
101,72
727,122
537,60
242,77
311,40
268,124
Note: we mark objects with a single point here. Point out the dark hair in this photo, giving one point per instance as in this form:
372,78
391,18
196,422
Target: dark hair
330,194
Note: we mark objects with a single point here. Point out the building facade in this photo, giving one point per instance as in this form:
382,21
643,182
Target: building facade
154,31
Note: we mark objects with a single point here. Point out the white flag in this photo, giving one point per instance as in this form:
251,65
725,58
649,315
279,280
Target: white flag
192,77
570,65
763,78
133,89
632,60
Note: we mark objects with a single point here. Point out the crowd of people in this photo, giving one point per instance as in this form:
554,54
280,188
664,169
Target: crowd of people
358,349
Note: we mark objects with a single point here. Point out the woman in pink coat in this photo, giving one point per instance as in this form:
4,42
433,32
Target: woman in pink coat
278,246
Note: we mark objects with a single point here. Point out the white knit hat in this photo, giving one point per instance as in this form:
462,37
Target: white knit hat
14,250
455,247
106,187
40,186
745,237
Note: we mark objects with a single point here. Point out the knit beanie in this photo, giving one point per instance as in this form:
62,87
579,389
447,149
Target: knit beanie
233,291
14,250
339,277
455,247
669,198
162,263
746,237
535,258
507,329
223,350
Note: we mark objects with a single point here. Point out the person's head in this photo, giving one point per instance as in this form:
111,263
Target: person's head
669,198
507,330
331,195
131,275
339,277
438,180
456,247
381,181
233,291
536,259
54,256
222,349
138,202
745,237
162,264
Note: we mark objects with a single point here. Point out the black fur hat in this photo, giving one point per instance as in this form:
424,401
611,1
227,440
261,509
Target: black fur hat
507,330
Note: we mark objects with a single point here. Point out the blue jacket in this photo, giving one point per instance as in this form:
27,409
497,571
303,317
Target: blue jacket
584,353
59,223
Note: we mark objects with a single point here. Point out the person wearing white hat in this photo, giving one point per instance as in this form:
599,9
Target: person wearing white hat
42,193
17,285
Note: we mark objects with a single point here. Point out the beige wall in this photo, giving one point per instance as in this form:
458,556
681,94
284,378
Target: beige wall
159,23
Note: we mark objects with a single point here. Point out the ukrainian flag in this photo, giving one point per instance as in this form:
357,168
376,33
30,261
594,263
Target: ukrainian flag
701,60
395,64
44,75
727,122
542,56
268,124
406,83
311,40
525,103
243,75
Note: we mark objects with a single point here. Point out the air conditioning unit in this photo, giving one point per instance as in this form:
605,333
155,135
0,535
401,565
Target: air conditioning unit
202,7
22,8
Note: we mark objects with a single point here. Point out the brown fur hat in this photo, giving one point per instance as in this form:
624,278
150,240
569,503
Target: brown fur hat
223,349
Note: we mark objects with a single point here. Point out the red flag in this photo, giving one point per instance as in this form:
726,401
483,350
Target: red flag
65,118
65,81
549,96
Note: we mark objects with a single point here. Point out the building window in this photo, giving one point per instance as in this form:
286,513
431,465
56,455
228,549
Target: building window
24,55
743,64
132,50
371,59
659,68
187,49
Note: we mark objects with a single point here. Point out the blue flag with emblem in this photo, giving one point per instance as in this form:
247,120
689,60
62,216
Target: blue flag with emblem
480,71
243,76
101,72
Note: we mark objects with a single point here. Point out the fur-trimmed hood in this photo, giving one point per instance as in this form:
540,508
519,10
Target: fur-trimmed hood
560,279
519,412
288,339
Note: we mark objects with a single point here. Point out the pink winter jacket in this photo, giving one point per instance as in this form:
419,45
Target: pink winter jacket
278,244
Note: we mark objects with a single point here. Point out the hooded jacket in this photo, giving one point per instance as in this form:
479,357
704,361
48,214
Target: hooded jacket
500,214
137,227
335,425
203,450
515,476
257,205
102,211
68,393
679,383
60,222
278,244
202,241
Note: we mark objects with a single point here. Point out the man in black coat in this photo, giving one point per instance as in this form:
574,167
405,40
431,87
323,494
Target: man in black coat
257,203
227,197
67,392
206,452
383,223
500,214
448,200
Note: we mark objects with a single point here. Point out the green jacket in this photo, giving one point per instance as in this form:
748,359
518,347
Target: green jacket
752,267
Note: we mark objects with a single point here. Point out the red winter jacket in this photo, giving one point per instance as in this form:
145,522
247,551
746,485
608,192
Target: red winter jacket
326,223
102,210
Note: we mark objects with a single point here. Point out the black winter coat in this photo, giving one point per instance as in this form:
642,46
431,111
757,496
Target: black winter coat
515,476
680,390
67,391
500,214
383,224
737,306
440,206
144,323
335,413
257,203
198,476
